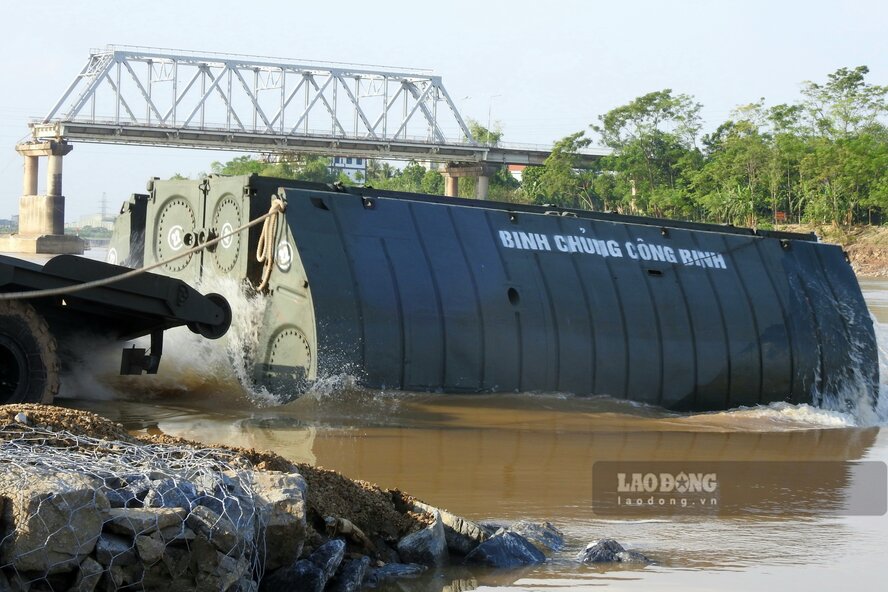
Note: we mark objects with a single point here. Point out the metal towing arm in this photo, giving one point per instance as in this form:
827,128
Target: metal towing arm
43,305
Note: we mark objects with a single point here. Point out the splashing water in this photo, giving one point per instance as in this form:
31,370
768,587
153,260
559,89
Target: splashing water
224,367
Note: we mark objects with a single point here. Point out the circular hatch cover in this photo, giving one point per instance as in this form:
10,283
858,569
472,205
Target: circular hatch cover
289,360
226,218
175,219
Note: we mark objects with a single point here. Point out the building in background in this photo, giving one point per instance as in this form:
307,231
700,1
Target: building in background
517,171
93,221
355,168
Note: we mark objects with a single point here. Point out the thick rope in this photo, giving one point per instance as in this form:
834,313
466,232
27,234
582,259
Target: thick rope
277,206
265,248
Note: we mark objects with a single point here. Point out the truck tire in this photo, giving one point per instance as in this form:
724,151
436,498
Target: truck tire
29,364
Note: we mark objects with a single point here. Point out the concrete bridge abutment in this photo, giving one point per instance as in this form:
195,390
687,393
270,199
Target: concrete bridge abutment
42,217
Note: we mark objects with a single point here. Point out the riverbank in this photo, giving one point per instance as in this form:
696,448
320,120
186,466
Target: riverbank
867,246
86,505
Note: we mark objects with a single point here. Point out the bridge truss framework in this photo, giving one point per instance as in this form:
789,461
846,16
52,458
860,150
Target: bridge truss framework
218,101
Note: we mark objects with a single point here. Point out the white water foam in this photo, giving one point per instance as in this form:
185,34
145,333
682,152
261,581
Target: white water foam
193,363
852,407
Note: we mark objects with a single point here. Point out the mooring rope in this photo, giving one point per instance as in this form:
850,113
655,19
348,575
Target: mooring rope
266,246
277,206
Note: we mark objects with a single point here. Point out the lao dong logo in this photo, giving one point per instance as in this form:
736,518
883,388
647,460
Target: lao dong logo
667,483
667,489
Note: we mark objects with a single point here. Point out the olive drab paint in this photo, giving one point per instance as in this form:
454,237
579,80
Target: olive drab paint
427,293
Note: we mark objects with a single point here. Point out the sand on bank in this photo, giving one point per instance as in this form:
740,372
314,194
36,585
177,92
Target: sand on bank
867,246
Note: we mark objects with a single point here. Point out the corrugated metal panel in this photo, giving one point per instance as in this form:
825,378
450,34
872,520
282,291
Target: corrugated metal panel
460,298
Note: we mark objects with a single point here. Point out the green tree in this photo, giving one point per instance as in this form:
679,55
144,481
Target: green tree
559,181
654,147
482,135
842,171
733,184
846,104
300,167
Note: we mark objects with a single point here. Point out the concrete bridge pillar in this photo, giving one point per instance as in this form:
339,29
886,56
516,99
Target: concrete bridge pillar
480,171
451,185
32,166
42,217
482,187
54,174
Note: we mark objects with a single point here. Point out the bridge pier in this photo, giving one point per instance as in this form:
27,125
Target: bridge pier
42,217
480,171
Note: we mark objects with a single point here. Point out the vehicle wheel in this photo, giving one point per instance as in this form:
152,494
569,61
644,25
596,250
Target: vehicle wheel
29,364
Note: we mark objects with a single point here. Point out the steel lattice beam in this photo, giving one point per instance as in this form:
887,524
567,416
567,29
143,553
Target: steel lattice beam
171,98
118,85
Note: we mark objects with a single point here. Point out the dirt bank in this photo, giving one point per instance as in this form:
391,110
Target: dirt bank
368,506
867,246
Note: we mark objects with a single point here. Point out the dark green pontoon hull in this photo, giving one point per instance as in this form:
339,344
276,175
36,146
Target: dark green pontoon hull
425,293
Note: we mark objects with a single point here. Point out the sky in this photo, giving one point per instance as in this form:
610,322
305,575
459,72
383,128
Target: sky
543,70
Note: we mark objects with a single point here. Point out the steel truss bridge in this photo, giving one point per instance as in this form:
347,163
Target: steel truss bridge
158,97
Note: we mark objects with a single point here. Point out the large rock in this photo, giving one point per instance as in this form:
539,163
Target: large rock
505,550
543,535
172,573
350,575
308,575
281,503
112,549
150,548
87,576
225,495
170,493
427,546
127,491
328,556
461,535
136,521
610,551
214,528
120,576
56,519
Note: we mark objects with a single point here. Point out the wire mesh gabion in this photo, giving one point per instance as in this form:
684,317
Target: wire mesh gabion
82,513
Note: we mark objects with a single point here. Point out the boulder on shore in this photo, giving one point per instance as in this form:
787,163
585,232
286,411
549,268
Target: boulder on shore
505,550
55,519
427,546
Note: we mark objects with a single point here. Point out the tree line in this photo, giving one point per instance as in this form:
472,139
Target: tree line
822,159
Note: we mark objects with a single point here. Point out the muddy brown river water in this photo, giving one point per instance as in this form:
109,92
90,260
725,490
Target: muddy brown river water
507,457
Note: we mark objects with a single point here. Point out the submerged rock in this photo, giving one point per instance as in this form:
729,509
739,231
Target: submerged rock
393,571
506,550
543,535
427,546
610,551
